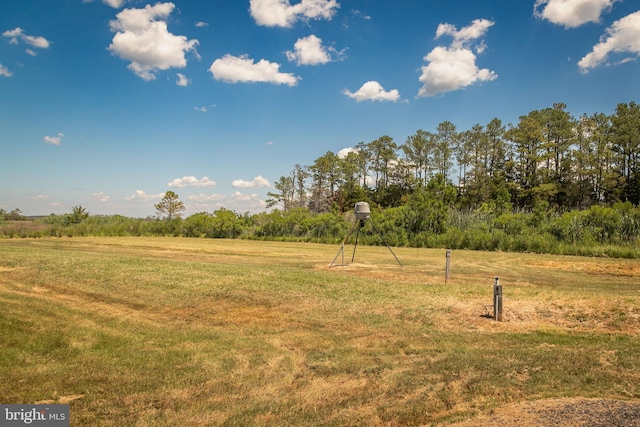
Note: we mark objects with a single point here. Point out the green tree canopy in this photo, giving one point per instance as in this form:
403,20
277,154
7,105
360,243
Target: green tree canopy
170,206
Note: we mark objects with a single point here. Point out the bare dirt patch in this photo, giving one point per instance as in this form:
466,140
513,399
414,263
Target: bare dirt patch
394,272
572,412
619,268
472,297
63,400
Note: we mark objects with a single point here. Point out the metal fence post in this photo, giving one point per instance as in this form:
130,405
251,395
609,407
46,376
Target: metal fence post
497,300
447,268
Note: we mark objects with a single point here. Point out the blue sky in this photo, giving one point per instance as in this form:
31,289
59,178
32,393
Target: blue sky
109,103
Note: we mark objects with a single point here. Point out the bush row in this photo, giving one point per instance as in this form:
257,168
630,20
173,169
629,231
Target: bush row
597,231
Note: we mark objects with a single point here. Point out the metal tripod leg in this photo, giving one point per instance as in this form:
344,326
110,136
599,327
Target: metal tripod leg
385,243
342,247
356,245
360,224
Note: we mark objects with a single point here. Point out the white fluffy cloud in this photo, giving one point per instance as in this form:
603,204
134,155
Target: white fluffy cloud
310,51
116,4
571,13
18,34
242,197
142,38
235,69
373,91
4,71
451,69
454,67
192,181
345,151
622,37
182,80
54,140
101,197
258,182
281,13
140,195
466,35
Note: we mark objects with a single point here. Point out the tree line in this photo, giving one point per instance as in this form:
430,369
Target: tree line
548,156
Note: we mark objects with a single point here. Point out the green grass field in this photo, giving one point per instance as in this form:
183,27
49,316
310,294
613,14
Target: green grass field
169,331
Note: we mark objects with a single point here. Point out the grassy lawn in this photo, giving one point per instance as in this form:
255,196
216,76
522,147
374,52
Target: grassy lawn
170,331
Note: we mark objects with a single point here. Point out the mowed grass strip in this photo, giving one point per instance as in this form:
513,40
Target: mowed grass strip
163,331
